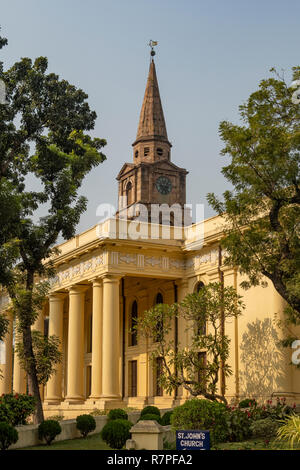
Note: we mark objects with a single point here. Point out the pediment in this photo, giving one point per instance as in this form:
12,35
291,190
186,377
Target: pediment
125,168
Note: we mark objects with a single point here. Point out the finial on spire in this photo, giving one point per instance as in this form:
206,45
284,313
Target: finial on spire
152,44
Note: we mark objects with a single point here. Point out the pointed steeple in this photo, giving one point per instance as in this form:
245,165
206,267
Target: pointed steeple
152,121
152,130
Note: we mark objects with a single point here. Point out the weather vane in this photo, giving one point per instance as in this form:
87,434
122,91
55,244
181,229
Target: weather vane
152,44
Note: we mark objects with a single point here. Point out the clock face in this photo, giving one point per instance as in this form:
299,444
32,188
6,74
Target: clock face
163,185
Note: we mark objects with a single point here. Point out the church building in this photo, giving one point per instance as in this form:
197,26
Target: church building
107,276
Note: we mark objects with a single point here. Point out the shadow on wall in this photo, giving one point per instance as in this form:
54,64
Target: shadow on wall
263,364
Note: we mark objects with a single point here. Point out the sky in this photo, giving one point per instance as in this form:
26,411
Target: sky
211,56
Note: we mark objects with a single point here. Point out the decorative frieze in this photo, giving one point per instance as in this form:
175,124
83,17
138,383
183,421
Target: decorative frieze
79,269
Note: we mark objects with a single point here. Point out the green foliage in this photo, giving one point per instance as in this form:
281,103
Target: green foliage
8,435
48,430
150,410
262,212
169,445
150,417
203,415
3,326
264,428
247,402
85,424
290,430
166,418
276,411
97,412
116,432
43,134
117,413
238,424
56,417
19,407
183,366
46,355
6,414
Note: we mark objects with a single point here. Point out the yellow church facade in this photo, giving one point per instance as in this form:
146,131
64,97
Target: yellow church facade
107,276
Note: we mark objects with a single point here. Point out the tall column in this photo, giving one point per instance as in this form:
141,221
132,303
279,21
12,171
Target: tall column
75,391
111,337
97,339
6,360
56,314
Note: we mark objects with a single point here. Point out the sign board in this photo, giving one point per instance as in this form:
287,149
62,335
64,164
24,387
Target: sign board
192,440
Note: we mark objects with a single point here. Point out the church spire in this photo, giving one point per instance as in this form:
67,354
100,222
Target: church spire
151,142
152,122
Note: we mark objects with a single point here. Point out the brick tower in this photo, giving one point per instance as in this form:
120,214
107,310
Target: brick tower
152,178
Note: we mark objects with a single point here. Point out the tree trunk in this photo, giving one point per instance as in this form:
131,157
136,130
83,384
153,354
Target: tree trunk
33,384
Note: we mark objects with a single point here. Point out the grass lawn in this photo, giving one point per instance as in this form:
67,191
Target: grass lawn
255,444
93,442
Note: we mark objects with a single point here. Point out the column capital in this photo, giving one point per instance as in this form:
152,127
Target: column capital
111,278
96,281
78,289
57,296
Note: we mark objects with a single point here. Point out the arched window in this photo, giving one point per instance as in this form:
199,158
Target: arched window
201,327
129,194
160,323
133,321
199,286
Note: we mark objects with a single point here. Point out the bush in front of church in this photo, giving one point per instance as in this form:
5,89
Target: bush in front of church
117,413
150,410
85,424
8,435
19,406
116,432
48,430
202,415
166,419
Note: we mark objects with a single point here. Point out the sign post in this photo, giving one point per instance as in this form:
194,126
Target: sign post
192,440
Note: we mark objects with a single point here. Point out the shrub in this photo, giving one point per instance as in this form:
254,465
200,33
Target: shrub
238,424
21,407
56,417
150,417
202,414
48,430
85,424
8,435
97,412
6,415
118,413
116,432
152,410
247,403
290,430
166,419
264,428
278,411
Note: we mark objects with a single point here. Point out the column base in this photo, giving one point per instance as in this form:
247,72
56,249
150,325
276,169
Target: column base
108,403
53,401
74,400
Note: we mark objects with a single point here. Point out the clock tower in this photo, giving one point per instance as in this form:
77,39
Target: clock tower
152,178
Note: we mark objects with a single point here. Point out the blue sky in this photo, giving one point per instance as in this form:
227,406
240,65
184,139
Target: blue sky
211,56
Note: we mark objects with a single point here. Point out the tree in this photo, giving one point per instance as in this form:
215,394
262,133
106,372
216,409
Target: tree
49,143
195,367
262,212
